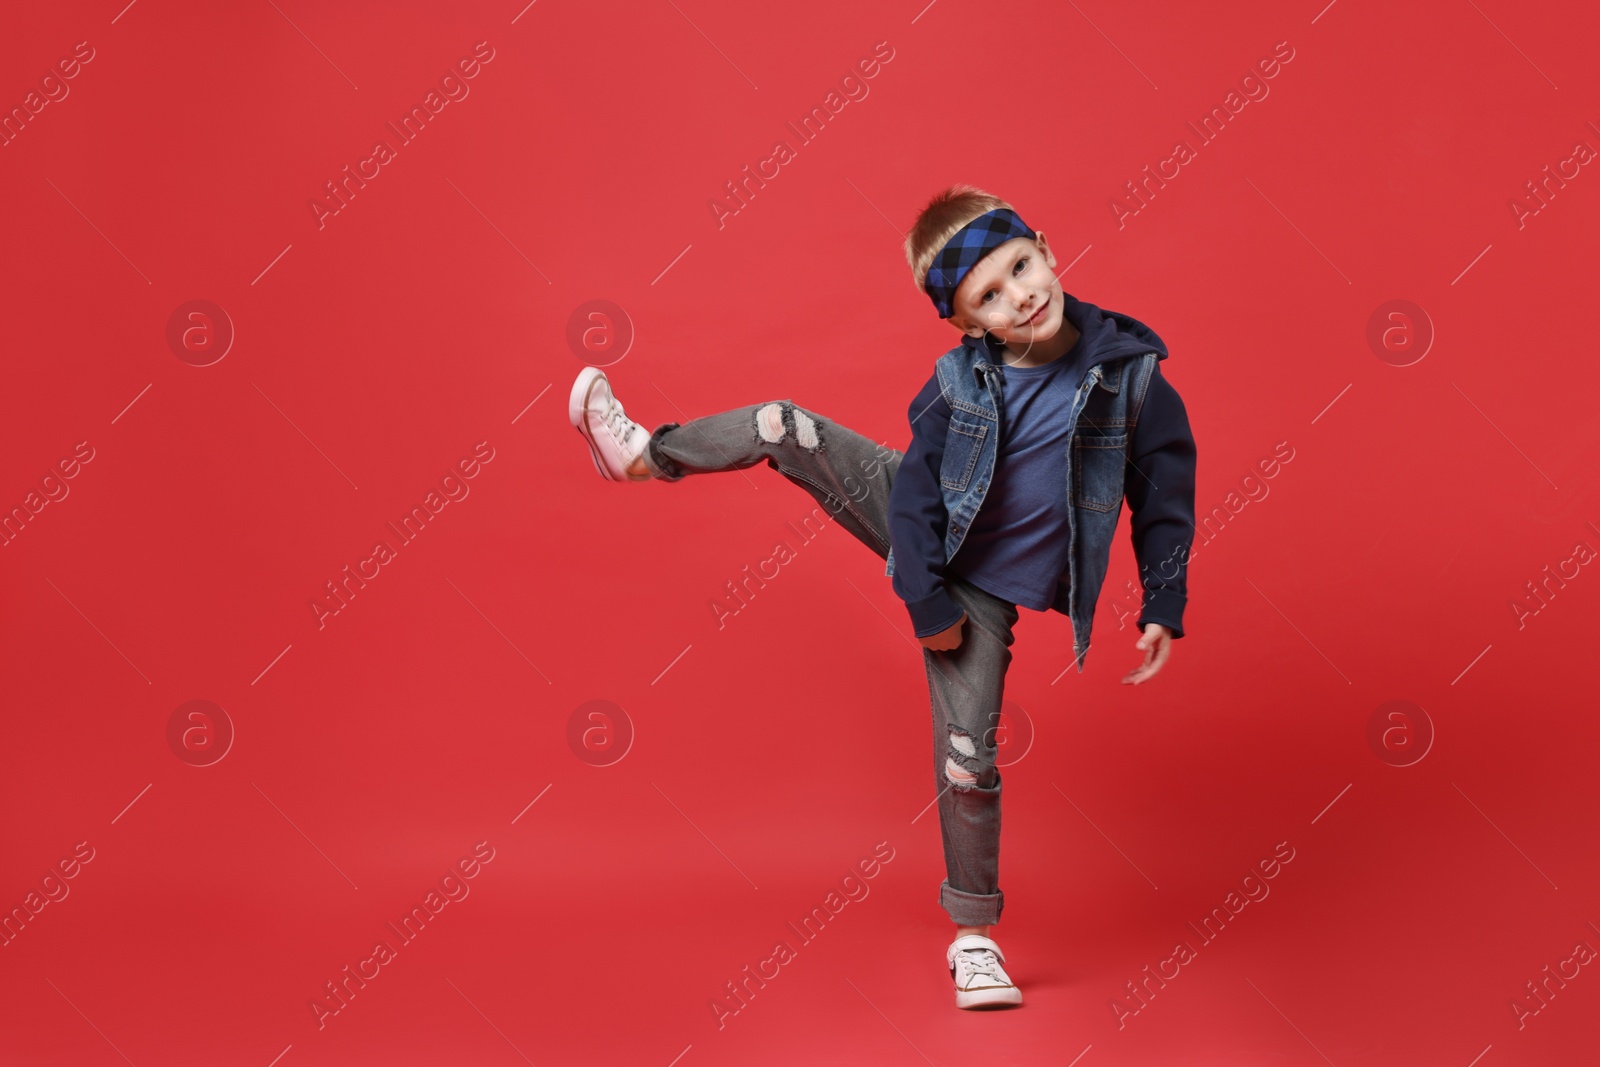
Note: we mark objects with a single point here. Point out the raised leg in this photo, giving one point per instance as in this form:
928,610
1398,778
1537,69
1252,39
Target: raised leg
844,471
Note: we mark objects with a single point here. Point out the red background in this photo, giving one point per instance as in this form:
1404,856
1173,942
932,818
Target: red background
771,754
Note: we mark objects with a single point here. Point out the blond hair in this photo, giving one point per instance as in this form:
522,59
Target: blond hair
944,215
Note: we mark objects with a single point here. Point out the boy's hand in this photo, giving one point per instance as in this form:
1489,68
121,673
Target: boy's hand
1155,644
945,639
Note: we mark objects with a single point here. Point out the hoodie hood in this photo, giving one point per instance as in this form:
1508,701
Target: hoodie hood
1107,336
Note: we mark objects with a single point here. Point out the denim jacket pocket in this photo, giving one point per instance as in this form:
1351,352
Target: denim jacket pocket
1097,470
962,445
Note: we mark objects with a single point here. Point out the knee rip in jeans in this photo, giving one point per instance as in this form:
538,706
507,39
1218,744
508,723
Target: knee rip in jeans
774,421
956,770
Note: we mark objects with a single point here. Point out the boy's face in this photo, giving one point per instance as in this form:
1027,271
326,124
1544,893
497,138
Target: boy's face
1012,293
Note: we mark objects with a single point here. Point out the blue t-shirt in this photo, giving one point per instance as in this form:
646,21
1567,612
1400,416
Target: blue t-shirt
1017,546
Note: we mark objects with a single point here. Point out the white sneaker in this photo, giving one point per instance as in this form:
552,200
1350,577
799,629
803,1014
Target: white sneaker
615,441
980,980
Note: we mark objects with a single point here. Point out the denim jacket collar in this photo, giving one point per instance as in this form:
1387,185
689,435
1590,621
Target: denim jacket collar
1108,336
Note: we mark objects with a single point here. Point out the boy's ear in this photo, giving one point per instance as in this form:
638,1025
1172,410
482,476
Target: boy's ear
1044,249
965,325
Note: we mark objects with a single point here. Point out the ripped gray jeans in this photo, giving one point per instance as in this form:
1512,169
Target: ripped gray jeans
850,476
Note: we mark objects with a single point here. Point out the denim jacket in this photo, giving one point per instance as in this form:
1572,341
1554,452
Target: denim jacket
956,427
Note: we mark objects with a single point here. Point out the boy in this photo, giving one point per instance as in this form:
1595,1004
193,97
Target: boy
1025,440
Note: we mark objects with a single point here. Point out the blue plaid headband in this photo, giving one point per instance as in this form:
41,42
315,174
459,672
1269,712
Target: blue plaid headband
961,253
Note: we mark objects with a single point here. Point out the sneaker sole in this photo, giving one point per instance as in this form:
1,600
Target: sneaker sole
1001,997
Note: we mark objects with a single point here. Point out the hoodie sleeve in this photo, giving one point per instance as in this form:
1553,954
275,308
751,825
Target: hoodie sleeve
917,517
1160,490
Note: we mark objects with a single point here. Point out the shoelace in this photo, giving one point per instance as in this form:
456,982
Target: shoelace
979,961
617,421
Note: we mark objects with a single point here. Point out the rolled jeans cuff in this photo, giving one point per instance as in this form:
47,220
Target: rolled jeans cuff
971,909
661,466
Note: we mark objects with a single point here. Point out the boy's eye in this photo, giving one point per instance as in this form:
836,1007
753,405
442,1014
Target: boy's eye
1019,267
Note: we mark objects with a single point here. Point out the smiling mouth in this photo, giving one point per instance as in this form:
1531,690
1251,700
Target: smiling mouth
1043,308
